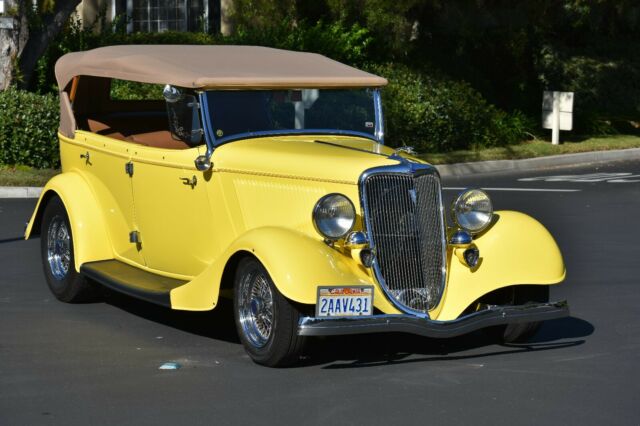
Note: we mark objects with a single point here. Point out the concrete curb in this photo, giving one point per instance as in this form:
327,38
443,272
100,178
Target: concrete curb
462,169
20,191
457,169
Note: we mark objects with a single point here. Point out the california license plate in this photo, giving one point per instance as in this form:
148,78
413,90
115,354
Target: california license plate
353,301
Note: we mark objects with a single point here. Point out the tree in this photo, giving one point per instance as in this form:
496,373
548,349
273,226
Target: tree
35,25
45,24
10,43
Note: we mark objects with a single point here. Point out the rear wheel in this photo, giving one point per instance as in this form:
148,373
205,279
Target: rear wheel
56,247
522,295
267,322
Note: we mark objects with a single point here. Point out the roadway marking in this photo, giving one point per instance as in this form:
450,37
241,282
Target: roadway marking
588,178
456,188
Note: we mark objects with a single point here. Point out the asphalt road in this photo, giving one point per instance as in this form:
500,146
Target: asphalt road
98,363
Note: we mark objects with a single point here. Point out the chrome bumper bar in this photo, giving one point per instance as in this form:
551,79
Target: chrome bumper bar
493,315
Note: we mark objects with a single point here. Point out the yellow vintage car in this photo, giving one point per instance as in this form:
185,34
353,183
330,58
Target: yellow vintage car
262,176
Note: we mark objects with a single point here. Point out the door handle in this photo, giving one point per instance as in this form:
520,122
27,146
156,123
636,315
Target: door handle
87,158
192,182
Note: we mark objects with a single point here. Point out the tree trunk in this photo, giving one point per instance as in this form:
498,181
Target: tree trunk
41,37
10,46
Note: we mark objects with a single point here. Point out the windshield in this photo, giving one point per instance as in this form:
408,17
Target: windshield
246,113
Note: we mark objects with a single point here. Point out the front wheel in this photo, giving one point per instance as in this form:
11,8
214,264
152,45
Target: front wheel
267,322
56,247
522,332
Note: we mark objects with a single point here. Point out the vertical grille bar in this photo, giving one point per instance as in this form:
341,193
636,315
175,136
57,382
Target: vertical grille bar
405,225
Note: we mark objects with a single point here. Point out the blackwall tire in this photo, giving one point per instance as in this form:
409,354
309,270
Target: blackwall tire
56,248
266,321
519,333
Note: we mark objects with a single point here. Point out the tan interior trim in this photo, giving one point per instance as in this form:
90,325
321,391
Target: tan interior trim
74,88
67,119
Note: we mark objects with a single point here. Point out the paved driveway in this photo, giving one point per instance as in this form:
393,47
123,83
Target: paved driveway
98,363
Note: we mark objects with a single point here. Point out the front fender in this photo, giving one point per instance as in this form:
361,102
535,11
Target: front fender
297,263
517,249
90,239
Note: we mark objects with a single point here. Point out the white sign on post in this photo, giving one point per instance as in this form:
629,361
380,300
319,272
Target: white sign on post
557,113
1,6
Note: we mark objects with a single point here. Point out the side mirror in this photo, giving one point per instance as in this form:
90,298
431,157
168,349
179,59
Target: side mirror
203,162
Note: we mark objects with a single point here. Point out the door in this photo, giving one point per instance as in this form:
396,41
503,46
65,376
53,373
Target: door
103,163
172,211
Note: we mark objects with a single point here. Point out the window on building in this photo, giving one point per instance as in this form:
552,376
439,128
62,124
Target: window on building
167,15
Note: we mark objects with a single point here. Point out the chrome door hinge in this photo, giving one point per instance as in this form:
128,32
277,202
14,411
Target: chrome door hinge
134,237
128,168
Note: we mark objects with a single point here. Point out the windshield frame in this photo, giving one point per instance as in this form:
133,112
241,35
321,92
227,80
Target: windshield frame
213,142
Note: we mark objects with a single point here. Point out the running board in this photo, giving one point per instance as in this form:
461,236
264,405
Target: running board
131,281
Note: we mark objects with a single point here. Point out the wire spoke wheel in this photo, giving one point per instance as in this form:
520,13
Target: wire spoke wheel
256,308
266,321
58,247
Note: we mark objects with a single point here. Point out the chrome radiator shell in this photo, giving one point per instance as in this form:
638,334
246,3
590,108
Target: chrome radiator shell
404,219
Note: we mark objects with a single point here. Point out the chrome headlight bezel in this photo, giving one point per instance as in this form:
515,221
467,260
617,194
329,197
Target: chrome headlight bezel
467,215
322,204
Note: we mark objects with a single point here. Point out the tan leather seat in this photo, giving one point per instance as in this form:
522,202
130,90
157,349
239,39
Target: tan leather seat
159,139
141,130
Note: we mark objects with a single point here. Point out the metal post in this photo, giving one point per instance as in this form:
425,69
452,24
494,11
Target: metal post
555,130
129,16
379,124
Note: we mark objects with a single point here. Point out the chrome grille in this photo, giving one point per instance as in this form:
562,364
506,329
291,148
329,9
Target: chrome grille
405,225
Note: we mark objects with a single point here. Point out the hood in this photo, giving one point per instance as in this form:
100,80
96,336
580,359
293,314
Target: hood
321,157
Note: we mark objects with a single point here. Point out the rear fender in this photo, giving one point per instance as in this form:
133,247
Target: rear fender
90,239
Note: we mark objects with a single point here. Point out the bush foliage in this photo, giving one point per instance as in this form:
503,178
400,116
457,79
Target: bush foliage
438,115
459,72
28,129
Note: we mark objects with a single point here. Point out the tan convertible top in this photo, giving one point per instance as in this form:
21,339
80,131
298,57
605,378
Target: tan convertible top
223,67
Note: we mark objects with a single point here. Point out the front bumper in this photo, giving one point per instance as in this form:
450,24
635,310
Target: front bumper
493,315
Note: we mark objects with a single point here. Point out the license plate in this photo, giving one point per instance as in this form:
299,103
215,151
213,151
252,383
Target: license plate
353,301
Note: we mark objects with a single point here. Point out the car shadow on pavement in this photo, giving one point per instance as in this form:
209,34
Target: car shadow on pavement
380,349
11,240
216,324
365,350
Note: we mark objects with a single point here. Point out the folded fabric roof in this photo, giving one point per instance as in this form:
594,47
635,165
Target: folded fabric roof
213,67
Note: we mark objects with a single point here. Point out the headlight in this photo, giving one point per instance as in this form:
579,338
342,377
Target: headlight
472,210
333,216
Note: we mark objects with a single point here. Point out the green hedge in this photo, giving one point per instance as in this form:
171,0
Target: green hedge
422,109
429,113
28,129
435,115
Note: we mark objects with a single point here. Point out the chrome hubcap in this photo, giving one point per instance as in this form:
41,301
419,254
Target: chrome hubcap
58,248
256,308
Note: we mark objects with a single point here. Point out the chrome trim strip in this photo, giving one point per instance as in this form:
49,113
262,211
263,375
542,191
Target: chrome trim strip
209,137
377,105
494,315
404,167
293,132
213,143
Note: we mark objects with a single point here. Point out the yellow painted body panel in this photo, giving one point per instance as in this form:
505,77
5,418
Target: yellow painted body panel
258,199
297,263
173,218
105,174
90,240
517,249
262,193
